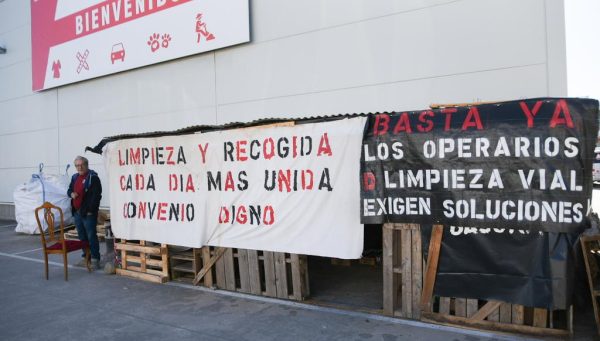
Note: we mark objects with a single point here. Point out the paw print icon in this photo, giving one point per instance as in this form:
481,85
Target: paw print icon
166,38
153,42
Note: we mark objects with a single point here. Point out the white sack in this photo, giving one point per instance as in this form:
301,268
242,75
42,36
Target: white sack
30,195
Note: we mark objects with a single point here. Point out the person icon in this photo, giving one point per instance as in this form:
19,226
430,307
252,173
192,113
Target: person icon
56,68
202,30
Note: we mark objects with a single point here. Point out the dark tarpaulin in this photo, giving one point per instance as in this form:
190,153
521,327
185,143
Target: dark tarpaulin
533,269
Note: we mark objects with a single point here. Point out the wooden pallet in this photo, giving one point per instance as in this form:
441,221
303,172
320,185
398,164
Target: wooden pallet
72,233
143,260
408,283
402,270
184,265
590,246
500,316
103,216
271,274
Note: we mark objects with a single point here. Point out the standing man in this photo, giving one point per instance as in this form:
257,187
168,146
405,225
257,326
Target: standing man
85,192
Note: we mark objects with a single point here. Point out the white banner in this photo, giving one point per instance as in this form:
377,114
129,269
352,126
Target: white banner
285,189
74,40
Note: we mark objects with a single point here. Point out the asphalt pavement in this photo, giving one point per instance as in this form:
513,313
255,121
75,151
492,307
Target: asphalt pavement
97,306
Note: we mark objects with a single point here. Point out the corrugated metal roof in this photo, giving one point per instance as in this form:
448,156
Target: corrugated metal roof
207,128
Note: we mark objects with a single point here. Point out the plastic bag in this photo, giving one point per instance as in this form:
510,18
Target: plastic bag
41,187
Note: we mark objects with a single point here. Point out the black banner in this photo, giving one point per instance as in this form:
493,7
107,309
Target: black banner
523,164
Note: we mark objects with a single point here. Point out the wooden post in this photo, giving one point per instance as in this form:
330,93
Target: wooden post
435,245
406,266
417,271
208,278
390,294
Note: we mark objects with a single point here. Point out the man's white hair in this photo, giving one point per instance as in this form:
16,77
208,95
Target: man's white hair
82,159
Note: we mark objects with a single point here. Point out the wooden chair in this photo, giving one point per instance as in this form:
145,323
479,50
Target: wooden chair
53,244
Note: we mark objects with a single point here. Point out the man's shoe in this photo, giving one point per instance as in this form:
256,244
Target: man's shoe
95,264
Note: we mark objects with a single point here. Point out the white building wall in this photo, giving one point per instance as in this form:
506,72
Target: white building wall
305,58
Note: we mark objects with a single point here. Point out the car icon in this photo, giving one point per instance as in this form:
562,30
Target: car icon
118,52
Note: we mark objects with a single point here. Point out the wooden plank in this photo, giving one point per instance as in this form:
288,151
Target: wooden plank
472,306
390,295
149,261
494,315
304,273
340,262
141,275
417,271
270,274
281,275
151,250
270,282
196,259
164,253
517,314
447,105
254,272
148,271
272,125
296,277
584,240
208,278
570,319
539,317
445,305
220,272
435,245
505,312
206,268
229,270
406,264
460,307
486,310
243,270
489,325
123,254
143,257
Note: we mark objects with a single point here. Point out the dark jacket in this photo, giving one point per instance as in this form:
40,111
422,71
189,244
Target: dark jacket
92,193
